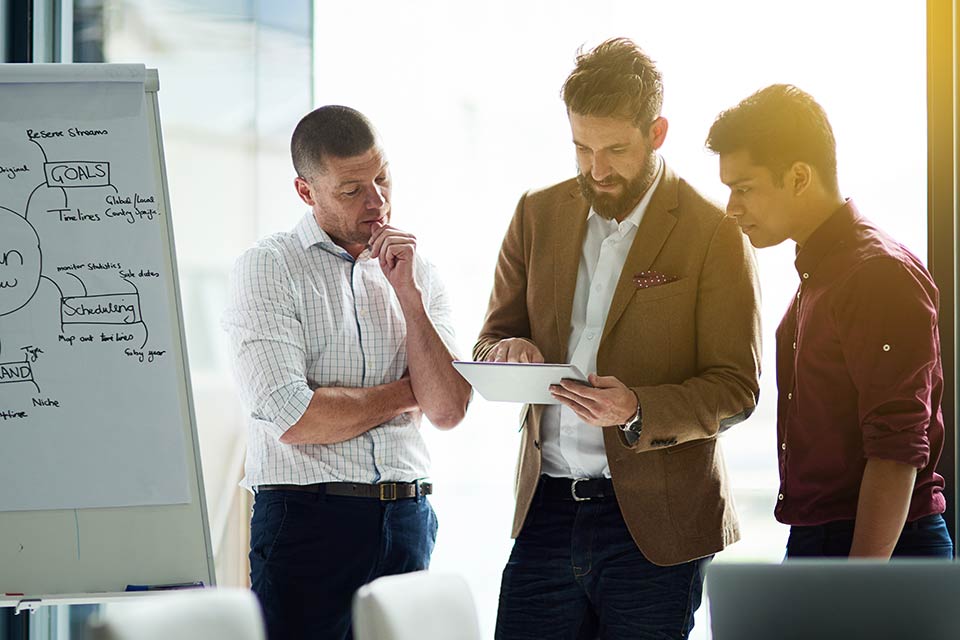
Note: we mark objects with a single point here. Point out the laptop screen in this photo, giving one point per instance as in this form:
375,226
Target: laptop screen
834,599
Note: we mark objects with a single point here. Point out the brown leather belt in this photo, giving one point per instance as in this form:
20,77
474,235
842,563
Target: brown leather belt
385,491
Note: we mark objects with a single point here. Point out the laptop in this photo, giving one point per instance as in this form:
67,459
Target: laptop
835,599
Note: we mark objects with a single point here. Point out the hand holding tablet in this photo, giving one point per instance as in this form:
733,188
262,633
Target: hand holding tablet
526,382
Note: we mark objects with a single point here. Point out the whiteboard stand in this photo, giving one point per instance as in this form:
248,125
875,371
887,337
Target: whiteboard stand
148,542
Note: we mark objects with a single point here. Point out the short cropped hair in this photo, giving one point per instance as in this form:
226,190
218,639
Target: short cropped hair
331,131
615,79
778,126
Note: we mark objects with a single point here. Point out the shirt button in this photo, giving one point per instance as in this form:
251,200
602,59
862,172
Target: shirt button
784,446
790,396
590,336
794,346
886,347
806,276
780,497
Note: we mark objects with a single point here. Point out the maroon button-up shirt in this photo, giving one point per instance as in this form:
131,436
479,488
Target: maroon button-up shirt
858,372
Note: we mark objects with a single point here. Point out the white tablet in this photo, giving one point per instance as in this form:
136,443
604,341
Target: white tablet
517,381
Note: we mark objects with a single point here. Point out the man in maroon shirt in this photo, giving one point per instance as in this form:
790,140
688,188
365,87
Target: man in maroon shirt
859,427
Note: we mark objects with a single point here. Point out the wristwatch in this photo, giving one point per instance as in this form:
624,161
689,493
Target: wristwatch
635,423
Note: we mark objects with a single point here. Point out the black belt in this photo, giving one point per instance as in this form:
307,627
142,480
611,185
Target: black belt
578,489
385,491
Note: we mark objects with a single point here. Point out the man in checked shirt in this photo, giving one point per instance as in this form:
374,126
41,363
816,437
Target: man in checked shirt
342,340
859,427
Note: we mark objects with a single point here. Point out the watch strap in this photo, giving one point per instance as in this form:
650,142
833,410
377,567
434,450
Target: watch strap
635,423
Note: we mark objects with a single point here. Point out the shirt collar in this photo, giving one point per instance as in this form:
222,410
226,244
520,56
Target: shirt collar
636,216
832,234
310,234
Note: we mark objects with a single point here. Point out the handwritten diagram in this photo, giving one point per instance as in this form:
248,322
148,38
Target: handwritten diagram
113,315
93,385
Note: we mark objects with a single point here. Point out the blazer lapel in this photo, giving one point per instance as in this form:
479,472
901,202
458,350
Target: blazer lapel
657,223
570,225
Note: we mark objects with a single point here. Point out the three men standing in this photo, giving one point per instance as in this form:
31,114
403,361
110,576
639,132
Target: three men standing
626,271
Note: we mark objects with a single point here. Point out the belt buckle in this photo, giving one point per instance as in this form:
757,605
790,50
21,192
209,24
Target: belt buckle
573,489
388,496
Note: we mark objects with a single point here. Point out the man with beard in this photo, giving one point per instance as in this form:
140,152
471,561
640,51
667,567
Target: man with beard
342,341
630,274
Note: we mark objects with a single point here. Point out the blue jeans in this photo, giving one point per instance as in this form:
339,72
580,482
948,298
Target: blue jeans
925,537
575,572
309,553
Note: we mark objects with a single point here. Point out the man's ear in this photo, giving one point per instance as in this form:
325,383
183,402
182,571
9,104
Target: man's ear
658,132
304,190
800,177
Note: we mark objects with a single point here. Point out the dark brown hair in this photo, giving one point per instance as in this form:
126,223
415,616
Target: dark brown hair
334,131
615,79
778,126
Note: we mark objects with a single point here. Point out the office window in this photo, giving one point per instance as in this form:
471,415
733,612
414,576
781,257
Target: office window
234,80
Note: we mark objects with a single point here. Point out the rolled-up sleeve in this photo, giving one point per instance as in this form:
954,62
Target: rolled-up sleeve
440,310
266,340
887,323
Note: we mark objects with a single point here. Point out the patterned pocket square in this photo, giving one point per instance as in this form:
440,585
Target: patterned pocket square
647,279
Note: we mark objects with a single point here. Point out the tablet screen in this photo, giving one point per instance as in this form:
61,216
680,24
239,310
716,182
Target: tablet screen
517,381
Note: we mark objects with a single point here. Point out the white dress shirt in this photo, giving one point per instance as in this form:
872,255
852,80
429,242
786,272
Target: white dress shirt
304,314
571,447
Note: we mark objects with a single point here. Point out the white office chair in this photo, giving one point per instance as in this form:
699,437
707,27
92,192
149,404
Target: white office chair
415,606
197,614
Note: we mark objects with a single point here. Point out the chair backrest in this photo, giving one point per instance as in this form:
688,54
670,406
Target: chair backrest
834,600
415,606
197,614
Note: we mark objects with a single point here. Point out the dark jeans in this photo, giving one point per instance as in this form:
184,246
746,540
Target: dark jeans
309,554
575,572
923,538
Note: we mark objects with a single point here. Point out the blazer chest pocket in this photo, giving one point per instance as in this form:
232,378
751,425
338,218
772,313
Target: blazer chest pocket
668,290
656,335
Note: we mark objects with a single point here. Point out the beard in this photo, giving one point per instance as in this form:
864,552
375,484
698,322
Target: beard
611,206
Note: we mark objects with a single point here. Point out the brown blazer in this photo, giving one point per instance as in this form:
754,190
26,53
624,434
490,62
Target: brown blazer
689,348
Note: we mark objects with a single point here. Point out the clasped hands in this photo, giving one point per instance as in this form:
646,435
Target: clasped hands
607,402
